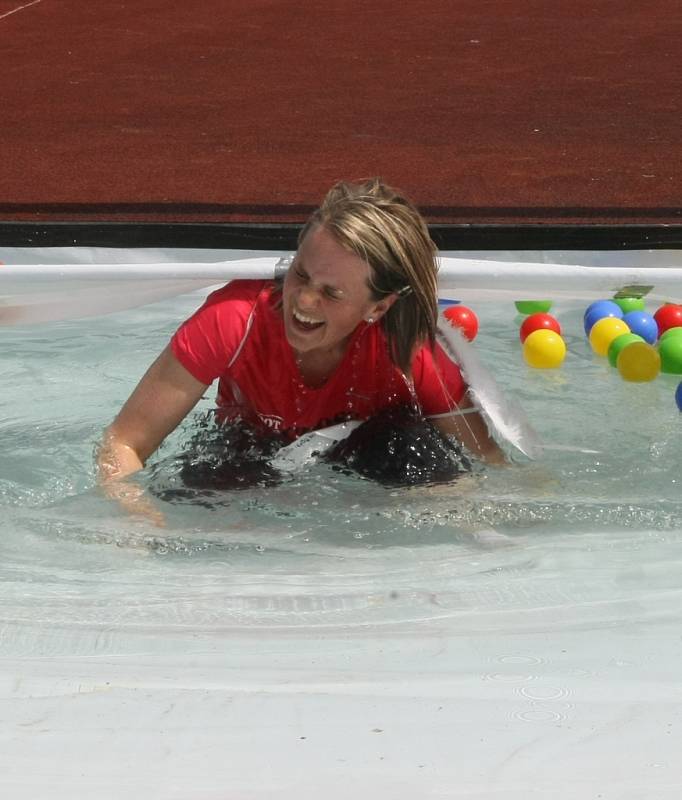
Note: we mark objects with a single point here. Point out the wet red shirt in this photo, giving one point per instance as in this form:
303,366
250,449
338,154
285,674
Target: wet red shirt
238,336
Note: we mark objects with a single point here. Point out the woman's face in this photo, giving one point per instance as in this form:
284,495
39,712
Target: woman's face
326,295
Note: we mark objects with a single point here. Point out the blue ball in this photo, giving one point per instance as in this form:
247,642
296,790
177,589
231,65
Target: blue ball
678,396
599,310
643,325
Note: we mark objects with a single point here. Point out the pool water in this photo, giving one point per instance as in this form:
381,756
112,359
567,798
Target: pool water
317,533
537,600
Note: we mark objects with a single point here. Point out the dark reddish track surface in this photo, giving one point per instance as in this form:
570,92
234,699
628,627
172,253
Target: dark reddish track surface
483,111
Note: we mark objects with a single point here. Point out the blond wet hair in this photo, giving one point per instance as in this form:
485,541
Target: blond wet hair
381,226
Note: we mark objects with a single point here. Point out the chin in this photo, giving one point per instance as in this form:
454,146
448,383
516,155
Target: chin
300,341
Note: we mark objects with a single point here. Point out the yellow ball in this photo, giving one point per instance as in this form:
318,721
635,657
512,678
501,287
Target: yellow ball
544,349
639,362
604,331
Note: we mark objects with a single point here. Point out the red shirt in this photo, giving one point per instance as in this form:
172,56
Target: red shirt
238,336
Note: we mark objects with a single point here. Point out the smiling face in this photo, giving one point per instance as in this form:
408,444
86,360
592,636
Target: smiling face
326,295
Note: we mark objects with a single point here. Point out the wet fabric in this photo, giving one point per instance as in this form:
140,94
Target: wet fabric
400,448
218,458
238,337
396,448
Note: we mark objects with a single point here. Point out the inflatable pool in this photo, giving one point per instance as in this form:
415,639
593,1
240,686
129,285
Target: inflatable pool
513,634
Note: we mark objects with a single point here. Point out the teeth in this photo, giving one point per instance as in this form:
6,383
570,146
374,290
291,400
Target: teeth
303,318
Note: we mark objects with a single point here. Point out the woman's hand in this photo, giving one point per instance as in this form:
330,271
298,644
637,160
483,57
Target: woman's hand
162,399
133,499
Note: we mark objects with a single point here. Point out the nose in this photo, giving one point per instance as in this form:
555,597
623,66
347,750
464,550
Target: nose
307,297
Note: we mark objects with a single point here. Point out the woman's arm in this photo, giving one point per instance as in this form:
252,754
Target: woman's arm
470,429
161,400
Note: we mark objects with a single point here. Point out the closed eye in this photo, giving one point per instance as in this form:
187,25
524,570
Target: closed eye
329,291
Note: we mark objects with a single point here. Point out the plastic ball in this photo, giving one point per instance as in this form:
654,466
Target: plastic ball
671,332
599,310
537,322
668,316
604,331
619,343
533,306
642,324
670,352
544,349
638,362
678,396
627,304
463,318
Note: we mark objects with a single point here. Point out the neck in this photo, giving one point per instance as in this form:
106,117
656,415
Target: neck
316,366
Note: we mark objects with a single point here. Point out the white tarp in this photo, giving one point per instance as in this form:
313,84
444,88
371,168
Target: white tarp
48,284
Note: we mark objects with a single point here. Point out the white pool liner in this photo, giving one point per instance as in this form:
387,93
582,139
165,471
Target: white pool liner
47,284
530,702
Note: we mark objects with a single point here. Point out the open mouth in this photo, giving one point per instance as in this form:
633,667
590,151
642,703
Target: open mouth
305,323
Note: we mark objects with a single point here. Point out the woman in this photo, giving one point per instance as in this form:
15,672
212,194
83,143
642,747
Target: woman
349,333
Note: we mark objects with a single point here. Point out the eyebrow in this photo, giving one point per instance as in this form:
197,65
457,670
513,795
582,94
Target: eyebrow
327,288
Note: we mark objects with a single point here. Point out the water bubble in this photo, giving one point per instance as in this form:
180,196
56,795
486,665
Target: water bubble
541,693
539,716
509,678
518,659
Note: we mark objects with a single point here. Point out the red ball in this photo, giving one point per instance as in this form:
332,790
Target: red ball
463,318
668,316
539,322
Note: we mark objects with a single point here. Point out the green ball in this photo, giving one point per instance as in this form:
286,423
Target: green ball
670,352
619,343
670,333
628,304
533,306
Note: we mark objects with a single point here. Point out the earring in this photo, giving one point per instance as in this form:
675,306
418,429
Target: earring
370,320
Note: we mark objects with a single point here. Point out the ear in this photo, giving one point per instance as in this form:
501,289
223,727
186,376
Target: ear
379,309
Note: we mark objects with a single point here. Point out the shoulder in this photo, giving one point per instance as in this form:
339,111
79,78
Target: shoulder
238,295
437,379
206,342
231,305
427,358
